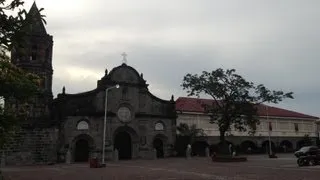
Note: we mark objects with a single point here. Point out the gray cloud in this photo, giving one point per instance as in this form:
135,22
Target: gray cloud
272,42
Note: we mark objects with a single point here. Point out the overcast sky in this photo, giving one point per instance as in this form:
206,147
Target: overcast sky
272,42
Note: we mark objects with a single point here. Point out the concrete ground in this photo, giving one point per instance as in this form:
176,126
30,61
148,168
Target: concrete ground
258,167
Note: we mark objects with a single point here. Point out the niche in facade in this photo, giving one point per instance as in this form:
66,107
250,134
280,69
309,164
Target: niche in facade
82,125
159,126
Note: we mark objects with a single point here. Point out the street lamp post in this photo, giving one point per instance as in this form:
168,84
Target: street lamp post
270,124
105,122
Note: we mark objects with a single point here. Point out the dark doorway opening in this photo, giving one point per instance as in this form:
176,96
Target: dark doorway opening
81,151
266,147
248,147
286,146
122,143
158,145
199,148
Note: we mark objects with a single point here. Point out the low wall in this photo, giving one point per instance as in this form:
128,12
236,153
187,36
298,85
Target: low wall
26,147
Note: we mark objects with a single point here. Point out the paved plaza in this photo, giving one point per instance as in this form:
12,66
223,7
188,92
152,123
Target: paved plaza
257,167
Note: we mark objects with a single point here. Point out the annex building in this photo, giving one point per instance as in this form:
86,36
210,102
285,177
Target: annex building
288,127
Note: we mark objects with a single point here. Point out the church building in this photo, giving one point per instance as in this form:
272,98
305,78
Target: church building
138,124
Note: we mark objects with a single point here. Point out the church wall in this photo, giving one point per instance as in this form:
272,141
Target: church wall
28,147
95,131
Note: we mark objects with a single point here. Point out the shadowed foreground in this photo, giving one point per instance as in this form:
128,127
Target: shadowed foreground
258,167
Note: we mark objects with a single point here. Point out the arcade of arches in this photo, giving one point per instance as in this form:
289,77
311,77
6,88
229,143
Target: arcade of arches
247,146
123,142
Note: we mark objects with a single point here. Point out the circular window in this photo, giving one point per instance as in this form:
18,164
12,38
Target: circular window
82,125
124,114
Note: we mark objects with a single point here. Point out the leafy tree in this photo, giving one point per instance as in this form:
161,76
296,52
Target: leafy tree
192,132
235,99
16,85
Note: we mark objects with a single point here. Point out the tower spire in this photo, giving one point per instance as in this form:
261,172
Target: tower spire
34,21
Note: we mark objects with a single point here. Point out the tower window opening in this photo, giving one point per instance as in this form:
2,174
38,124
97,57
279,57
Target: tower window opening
34,52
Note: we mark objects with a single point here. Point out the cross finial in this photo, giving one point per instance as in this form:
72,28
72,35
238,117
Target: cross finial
124,55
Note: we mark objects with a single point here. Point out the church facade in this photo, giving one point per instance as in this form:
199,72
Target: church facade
138,124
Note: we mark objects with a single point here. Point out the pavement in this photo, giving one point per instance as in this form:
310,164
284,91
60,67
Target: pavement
258,167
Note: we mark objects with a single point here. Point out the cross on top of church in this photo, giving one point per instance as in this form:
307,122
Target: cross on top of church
124,55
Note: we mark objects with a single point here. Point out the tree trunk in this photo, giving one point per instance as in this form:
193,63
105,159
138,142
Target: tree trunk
222,137
224,148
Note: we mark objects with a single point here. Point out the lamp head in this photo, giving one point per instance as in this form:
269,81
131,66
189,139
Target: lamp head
117,86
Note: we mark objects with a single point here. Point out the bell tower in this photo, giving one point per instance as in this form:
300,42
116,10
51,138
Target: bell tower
35,55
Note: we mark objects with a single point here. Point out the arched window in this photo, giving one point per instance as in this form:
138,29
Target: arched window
82,125
159,126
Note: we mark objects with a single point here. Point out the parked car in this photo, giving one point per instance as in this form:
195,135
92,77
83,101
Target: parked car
307,150
310,160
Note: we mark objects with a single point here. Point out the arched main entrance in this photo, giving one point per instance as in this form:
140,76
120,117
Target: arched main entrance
158,145
123,143
82,150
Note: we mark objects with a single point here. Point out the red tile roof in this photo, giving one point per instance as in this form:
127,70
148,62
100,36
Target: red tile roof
187,104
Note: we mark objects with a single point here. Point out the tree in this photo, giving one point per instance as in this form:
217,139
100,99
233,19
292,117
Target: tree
235,99
16,85
191,132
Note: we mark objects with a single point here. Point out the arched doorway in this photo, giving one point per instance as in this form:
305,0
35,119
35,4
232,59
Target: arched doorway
266,147
123,143
286,146
82,150
199,148
248,146
158,145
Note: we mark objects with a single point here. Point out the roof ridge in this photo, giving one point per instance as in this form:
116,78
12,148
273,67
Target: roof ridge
190,104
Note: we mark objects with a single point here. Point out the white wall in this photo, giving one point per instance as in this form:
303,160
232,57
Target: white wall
283,127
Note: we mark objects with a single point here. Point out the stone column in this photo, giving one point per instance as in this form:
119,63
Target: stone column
154,153
68,157
230,149
294,145
116,155
207,152
188,151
